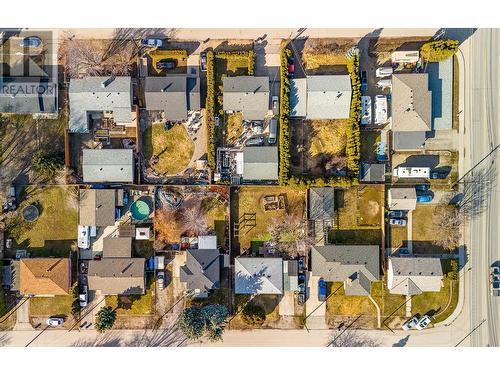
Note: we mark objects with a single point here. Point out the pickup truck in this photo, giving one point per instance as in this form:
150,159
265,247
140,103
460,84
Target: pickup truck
321,289
495,281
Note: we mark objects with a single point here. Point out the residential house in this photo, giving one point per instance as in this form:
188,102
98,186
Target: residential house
28,95
97,206
173,95
94,99
44,277
260,163
357,266
117,247
117,276
108,165
258,275
402,199
414,275
372,172
321,97
411,110
441,86
248,95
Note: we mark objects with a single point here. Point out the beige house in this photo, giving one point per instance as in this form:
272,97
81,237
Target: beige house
414,275
402,199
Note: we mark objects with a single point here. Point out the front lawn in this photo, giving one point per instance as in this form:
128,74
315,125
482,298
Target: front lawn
54,232
326,56
269,302
48,306
180,56
168,151
340,304
139,304
399,237
424,231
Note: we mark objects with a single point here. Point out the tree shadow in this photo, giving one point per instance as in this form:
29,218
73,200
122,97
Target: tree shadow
401,342
476,191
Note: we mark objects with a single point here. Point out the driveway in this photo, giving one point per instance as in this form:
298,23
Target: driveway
287,304
315,309
23,316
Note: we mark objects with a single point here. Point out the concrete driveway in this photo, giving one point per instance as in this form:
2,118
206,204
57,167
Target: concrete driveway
315,309
287,304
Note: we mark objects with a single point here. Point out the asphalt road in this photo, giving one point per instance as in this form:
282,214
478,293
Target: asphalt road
483,63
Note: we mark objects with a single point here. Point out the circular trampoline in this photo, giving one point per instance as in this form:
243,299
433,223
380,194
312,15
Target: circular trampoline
30,213
140,210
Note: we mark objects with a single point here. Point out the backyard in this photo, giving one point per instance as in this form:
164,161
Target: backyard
249,215
54,232
326,56
320,147
180,56
369,142
167,151
358,215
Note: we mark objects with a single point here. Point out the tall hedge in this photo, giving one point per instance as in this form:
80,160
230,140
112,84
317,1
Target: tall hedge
284,138
209,111
353,146
439,50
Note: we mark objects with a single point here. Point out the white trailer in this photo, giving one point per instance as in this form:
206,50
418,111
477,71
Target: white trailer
385,83
380,109
159,262
366,110
402,57
411,172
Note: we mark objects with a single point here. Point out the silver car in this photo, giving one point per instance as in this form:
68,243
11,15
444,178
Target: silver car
423,323
54,322
412,323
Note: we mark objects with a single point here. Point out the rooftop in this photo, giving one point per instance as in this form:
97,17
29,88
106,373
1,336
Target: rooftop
97,207
108,165
247,94
328,97
114,276
28,95
258,275
260,163
45,276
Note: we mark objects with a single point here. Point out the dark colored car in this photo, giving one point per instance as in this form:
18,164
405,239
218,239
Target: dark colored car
438,175
321,289
302,278
203,61
424,198
364,81
84,267
422,187
97,257
302,264
301,298
166,64
31,41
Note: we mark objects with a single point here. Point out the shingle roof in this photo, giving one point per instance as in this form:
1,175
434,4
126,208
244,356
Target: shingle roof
321,203
88,94
108,165
411,102
340,262
117,247
45,276
414,275
247,94
441,85
328,97
27,95
117,275
402,199
175,94
202,269
298,97
258,275
408,140
372,172
97,207
260,163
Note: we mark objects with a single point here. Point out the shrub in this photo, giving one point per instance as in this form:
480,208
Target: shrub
251,62
75,305
453,269
209,111
196,322
253,315
284,137
46,164
172,53
105,319
439,50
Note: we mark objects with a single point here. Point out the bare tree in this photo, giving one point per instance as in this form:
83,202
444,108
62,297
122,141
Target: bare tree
447,221
352,338
291,234
194,221
476,189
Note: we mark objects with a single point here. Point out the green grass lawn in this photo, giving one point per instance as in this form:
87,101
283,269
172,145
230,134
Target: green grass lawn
140,304
55,230
48,306
369,141
390,304
173,148
439,304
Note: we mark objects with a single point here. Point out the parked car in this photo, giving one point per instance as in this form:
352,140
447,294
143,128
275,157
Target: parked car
404,251
83,296
301,298
322,289
166,64
84,267
399,222
302,278
302,264
273,131
424,198
411,323
495,281
152,42
436,175
302,288
255,141
422,187
423,323
31,42
276,106
97,257
364,81
383,71
291,66
160,280
203,61
397,214
54,322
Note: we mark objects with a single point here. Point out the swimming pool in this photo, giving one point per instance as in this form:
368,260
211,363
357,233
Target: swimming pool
140,210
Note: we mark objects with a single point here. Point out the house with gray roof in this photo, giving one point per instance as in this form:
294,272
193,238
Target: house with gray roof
414,275
97,207
357,266
402,199
321,202
248,95
372,172
117,276
174,95
258,275
441,86
260,163
92,97
411,110
298,97
28,95
201,273
108,165
117,247
328,97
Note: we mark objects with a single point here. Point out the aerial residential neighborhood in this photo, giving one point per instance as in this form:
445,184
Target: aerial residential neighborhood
331,184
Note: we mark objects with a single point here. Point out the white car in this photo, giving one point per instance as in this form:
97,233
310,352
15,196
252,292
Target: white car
160,280
423,323
152,42
276,107
383,71
54,322
399,222
411,323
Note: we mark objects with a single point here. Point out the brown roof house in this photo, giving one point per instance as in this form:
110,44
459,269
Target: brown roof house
45,277
117,276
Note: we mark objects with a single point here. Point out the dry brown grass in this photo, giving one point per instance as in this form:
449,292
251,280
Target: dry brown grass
328,137
234,126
